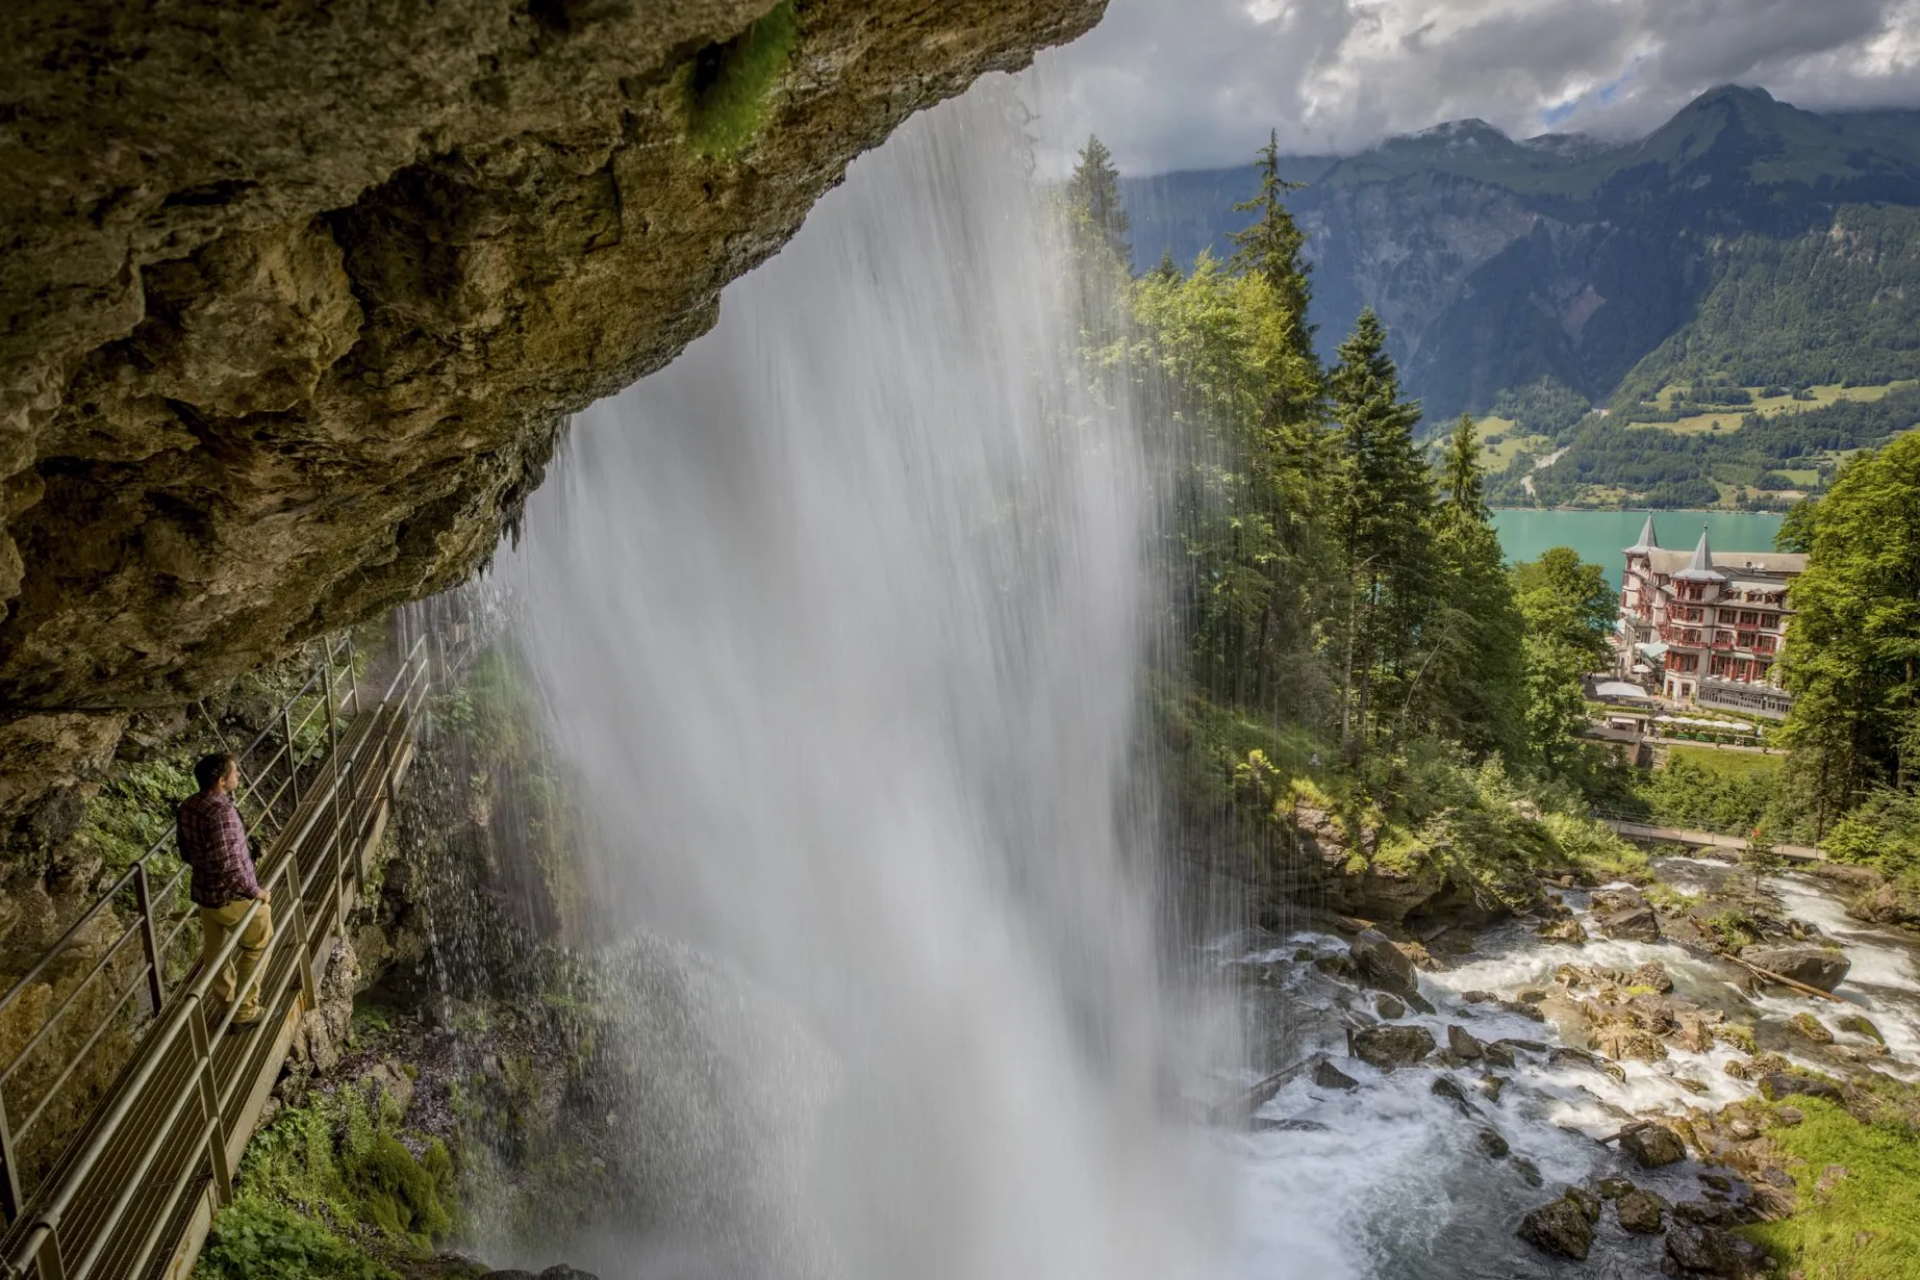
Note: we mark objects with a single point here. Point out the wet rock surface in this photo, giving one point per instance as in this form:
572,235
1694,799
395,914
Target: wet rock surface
1388,1047
1562,1228
1816,966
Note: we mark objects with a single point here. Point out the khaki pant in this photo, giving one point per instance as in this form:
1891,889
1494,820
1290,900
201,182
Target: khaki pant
215,924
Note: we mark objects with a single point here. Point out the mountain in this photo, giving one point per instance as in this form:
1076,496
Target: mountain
1744,242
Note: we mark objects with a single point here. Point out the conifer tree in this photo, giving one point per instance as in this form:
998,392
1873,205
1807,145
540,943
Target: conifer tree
1473,689
1094,190
1383,524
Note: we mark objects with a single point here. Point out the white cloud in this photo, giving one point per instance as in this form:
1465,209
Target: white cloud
1175,84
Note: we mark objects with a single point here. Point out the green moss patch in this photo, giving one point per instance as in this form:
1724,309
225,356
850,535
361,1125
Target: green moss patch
333,1187
730,88
1859,1194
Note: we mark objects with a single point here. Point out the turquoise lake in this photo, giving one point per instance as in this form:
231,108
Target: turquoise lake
1601,536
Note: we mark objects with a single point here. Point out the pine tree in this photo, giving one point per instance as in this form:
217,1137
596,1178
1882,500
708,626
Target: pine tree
1275,247
1094,190
1383,525
1473,689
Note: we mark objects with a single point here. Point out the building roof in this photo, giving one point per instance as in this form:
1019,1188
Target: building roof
1649,541
1784,563
1699,567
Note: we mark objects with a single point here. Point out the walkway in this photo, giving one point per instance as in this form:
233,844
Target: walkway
131,1194
1706,840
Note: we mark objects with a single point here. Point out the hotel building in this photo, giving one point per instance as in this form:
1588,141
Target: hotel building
1706,629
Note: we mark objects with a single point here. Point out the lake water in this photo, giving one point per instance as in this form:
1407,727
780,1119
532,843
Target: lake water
1601,536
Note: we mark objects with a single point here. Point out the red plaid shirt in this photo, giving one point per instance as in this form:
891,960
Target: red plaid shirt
213,841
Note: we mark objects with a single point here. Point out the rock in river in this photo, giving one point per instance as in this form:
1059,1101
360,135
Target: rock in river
1387,1047
1382,965
1561,1228
1654,1145
1463,1043
1328,1076
1816,966
1642,1212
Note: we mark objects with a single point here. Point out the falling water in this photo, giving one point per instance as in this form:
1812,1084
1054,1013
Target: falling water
841,620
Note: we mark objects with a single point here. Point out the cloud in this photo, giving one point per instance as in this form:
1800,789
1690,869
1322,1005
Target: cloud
1178,84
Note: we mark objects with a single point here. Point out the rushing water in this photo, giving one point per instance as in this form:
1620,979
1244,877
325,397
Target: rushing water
841,620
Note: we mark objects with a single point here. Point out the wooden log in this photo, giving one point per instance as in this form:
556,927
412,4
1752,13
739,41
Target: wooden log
1785,981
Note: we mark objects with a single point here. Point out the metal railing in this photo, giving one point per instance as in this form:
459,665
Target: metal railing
151,1166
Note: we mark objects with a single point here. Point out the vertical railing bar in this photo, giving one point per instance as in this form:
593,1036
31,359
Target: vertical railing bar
9,1166
210,1103
150,939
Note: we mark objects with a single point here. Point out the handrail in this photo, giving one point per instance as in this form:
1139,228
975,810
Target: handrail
338,809
111,981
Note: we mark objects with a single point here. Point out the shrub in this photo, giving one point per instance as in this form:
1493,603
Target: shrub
255,1237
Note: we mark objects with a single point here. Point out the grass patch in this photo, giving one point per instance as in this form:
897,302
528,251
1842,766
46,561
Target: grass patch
730,89
255,1236
1739,765
1862,1224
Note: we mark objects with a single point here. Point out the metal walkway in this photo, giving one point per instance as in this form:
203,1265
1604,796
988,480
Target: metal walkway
131,1192
1707,839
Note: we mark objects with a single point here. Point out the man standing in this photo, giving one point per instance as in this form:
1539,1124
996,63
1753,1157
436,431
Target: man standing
213,842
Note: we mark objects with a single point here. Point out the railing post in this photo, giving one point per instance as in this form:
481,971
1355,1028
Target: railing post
9,1166
149,938
216,1127
47,1260
333,723
309,990
293,762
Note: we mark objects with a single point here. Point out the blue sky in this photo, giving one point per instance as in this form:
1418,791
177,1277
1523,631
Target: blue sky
1197,83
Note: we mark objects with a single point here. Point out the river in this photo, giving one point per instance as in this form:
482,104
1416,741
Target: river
1600,536
1385,1180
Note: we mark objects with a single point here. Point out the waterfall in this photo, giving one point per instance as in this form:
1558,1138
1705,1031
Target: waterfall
841,621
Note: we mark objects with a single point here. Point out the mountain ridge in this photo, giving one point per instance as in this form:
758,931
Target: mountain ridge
1500,265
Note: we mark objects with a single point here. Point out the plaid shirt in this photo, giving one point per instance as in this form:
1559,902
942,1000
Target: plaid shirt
213,841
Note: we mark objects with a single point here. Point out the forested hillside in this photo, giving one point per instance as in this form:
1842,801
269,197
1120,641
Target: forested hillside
1745,243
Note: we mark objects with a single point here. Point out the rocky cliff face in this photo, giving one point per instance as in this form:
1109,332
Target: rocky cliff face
294,301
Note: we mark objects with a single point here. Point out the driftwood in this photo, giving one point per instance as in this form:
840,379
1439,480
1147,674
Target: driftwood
1240,1108
1785,981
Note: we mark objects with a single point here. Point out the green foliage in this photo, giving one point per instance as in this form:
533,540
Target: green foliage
134,809
256,1236
1669,470
1852,657
1548,407
342,1169
1094,191
1863,1221
730,87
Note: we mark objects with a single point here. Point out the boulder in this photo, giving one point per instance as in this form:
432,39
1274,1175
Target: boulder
1383,966
1588,1203
1641,1212
1631,924
1491,1144
1561,1228
1776,1085
1328,1076
1392,1008
1653,1146
1707,1251
1446,1087
1855,1024
1651,974
1804,962
1497,1054
1388,1047
1568,931
1491,1087
1692,1031
1464,1044
1614,1188
1809,1028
